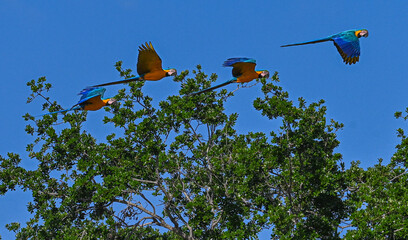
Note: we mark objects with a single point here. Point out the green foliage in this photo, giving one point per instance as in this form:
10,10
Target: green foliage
380,199
379,196
179,169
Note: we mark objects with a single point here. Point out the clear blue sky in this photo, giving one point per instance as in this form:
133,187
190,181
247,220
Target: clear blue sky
76,43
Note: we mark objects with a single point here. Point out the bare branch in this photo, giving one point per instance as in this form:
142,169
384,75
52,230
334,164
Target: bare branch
144,224
214,223
169,197
184,190
45,98
160,220
194,131
405,172
145,181
398,230
147,224
121,220
147,200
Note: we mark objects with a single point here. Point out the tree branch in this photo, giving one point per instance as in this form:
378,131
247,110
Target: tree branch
160,221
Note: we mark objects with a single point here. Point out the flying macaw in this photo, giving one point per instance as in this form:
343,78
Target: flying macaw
91,100
243,70
149,67
346,42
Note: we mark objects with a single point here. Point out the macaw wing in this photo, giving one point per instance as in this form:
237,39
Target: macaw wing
231,61
348,47
91,93
93,100
148,60
240,65
241,68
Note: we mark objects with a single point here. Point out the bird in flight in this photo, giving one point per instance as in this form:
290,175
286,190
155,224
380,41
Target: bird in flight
91,99
347,44
149,67
243,70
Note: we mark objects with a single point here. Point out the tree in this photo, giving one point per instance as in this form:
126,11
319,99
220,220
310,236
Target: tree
379,196
181,170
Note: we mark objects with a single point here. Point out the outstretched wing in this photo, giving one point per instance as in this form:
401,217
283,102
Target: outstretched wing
348,47
231,61
148,60
240,65
89,93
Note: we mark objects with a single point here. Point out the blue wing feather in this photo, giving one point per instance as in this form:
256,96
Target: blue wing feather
89,93
348,46
231,61
351,47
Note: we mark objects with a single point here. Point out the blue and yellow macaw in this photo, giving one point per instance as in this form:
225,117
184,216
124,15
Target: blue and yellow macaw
346,42
91,100
243,70
149,67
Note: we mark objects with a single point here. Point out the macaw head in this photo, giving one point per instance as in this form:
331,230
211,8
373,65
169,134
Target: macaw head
263,74
362,33
170,72
111,101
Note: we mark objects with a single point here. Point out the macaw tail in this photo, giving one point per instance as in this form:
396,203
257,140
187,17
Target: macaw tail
309,42
137,78
65,110
212,88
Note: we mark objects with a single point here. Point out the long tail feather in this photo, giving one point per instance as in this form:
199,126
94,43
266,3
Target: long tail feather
65,110
308,42
214,87
137,78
